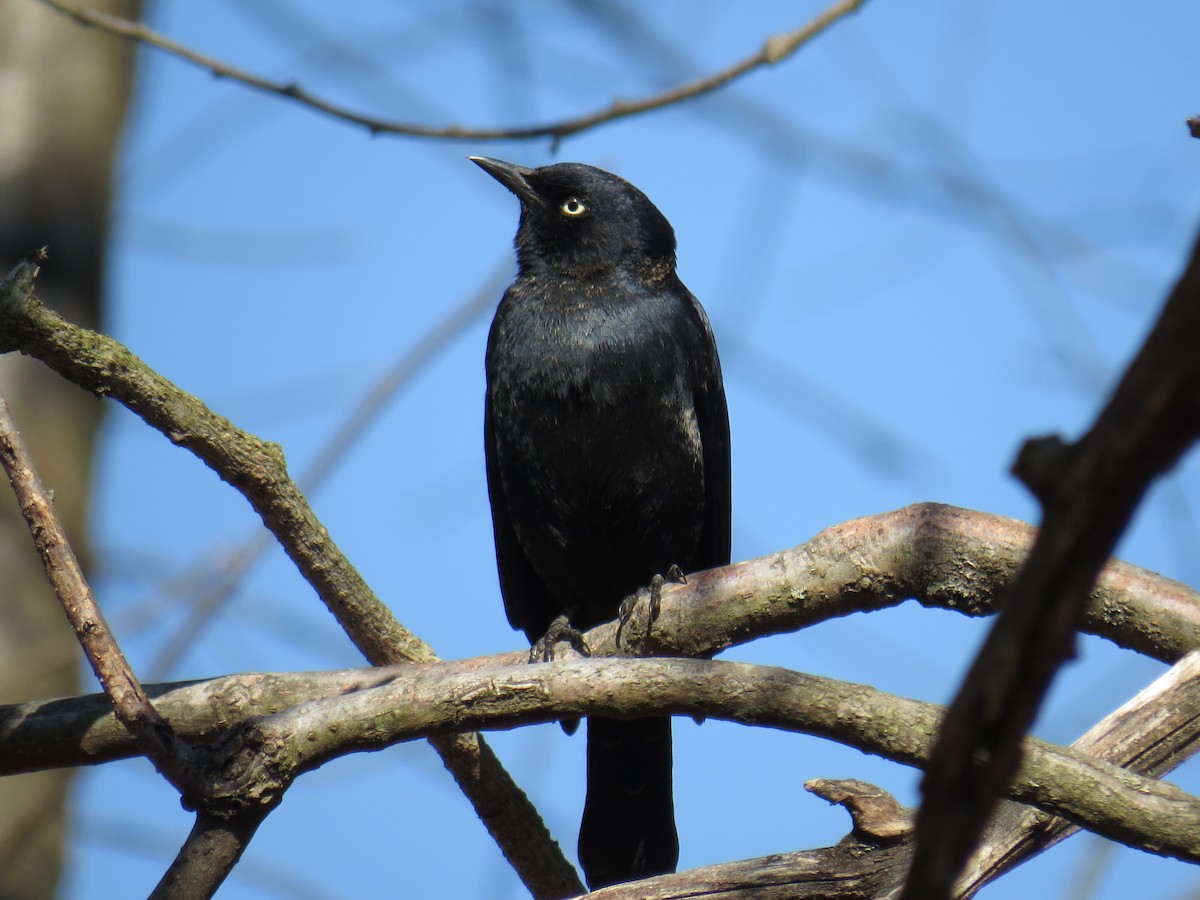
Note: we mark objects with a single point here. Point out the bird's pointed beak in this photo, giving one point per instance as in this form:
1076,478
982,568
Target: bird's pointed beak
512,176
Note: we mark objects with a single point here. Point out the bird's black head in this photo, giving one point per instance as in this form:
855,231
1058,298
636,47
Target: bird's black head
578,221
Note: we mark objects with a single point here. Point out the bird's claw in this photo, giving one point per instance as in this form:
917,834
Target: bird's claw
629,604
560,629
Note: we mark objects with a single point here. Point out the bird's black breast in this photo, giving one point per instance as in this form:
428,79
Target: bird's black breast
595,451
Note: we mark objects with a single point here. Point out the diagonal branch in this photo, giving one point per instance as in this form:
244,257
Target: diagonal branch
211,850
1152,734
775,49
1088,490
198,870
256,468
129,701
365,412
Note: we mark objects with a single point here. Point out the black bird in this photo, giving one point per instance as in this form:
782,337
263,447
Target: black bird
607,446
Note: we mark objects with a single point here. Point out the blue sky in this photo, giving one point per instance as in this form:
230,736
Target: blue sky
937,230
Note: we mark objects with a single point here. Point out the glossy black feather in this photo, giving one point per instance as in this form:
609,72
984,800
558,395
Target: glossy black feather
607,448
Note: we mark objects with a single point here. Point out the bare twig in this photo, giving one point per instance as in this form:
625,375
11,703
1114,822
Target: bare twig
775,49
197,867
133,708
1088,490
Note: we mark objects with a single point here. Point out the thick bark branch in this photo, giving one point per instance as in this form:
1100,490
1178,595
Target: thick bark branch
211,850
407,702
949,557
942,556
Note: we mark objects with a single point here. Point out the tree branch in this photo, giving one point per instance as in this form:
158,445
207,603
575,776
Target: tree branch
1152,734
944,556
950,558
1102,797
198,870
211,850
131,705
775,49
869,862
408,702
1088,490
82,731
366,411
256,468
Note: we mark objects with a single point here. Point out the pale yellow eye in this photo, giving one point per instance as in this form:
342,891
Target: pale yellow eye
573,207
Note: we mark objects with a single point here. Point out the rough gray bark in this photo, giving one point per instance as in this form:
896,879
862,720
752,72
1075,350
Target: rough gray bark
63,105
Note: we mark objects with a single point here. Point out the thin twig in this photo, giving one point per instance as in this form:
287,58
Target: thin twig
195,873
775,49
133,708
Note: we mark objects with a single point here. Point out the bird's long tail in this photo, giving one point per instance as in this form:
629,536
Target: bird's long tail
628,829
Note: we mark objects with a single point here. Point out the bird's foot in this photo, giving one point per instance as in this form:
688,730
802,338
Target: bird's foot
560,629
629,604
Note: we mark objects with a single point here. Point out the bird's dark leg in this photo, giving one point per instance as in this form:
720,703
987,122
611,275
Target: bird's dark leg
674,575
560,629
629,604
